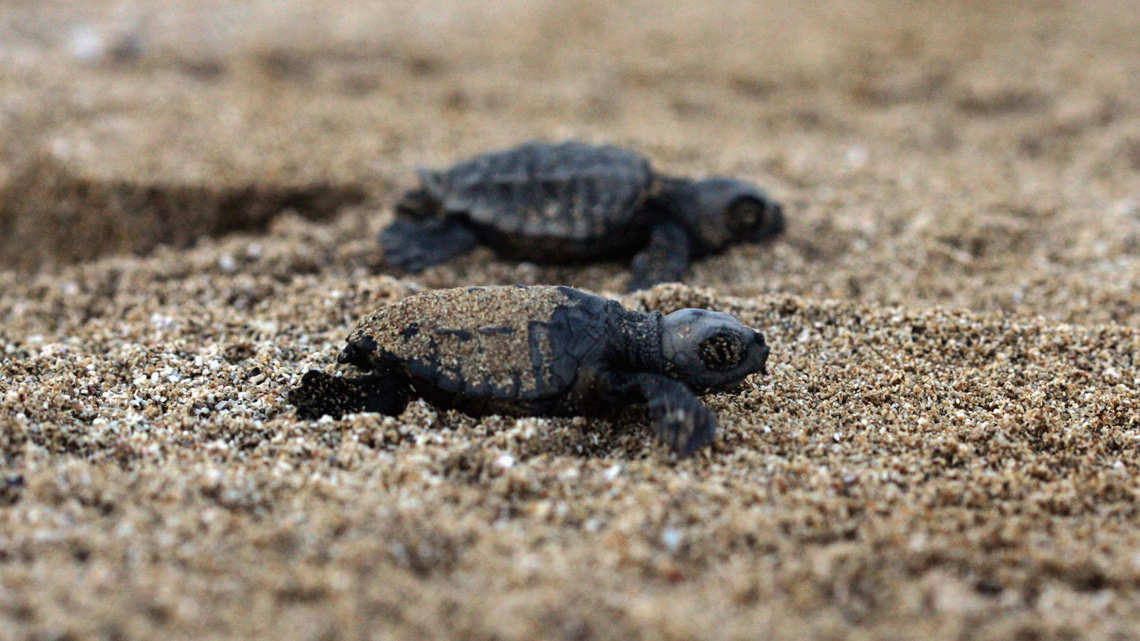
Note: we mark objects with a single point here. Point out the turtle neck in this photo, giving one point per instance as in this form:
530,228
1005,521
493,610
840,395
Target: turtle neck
636,346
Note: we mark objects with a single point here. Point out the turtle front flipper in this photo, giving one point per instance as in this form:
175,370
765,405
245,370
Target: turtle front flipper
413,246
682,420
321,394
664,260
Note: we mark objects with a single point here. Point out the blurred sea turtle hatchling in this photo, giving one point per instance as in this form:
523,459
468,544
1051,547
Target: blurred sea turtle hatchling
539,351
571,202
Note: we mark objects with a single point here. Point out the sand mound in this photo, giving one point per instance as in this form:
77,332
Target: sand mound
49,215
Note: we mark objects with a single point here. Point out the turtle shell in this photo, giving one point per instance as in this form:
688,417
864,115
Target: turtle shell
569,190
508,343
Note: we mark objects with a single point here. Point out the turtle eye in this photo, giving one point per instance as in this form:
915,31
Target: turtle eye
721,352
744,215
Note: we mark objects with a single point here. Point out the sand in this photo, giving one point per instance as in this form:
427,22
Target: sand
946,444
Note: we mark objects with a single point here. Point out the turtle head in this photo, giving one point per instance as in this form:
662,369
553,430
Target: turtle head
724,211
710,351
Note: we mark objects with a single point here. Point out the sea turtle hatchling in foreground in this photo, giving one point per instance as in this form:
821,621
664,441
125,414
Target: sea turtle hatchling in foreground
541,351
572,201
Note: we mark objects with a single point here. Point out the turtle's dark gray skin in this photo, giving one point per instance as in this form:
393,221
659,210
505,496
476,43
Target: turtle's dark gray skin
539,351
571,201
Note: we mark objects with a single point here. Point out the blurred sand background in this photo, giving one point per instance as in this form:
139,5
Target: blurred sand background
946,445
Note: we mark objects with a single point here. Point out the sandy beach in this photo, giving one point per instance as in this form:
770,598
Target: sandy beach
946,445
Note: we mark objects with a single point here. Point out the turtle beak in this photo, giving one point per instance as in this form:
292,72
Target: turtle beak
764,350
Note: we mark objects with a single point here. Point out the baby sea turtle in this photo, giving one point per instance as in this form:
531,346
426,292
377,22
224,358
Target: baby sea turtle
571,202
539,351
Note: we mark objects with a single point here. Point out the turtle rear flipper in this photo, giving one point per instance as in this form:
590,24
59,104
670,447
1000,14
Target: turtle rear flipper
417,204
425,201
321,394
416,245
